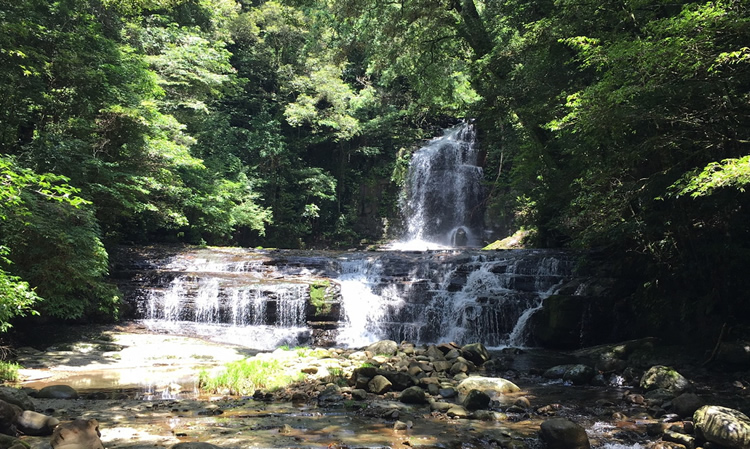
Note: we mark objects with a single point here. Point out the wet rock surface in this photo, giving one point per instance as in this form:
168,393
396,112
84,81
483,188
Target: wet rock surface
333,407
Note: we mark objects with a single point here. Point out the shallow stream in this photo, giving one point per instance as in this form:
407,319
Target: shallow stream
142,388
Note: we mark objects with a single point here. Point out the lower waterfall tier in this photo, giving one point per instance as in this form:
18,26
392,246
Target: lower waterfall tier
266,298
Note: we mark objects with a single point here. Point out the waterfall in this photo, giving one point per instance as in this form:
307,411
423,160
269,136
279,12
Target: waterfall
442,296
262,298
220,294
443,194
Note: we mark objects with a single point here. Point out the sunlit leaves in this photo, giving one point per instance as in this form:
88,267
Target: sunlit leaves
733,172
325,101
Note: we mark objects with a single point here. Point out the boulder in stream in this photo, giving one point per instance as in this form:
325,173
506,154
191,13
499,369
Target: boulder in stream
413,395
560,433
577,374
57,392
667,378
493,386
724,426
476,353
476,400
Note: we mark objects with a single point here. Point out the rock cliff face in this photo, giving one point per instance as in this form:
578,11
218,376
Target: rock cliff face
353,298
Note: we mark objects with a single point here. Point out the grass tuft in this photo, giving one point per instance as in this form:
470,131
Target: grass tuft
9,371
244,377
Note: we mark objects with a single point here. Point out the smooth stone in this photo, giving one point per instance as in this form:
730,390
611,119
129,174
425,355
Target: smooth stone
476,400
413,395
57,392
686,404
493,386
722,425
560,433
457,411
383,347
36,424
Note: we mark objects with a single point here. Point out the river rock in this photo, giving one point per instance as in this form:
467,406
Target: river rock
476,353
476,400
383,347
10,442
442,407
724,426
330,394
458,411
36,424
442,365
665,377
194,445
523,402
667,445
435,354
459,367
493,386
560,433
15,396
77,434
413,395
399,380
496,365
57,392
400,425
379,385
686,404
447,393
489,415
358,394
9,414
453,354
577,374
679,438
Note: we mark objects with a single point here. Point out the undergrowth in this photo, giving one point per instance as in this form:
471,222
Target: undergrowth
9,371
246,376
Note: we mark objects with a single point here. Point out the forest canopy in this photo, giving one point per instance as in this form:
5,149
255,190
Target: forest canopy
617,126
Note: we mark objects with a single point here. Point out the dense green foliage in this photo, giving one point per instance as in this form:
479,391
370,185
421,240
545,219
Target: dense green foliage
619,126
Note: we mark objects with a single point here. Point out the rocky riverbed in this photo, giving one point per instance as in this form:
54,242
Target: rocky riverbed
142,389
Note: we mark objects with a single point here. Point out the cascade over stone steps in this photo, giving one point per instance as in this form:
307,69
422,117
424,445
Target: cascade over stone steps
422,297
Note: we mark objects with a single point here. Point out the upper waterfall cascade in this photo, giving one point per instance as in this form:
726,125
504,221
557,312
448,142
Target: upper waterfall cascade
262,299
443,197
